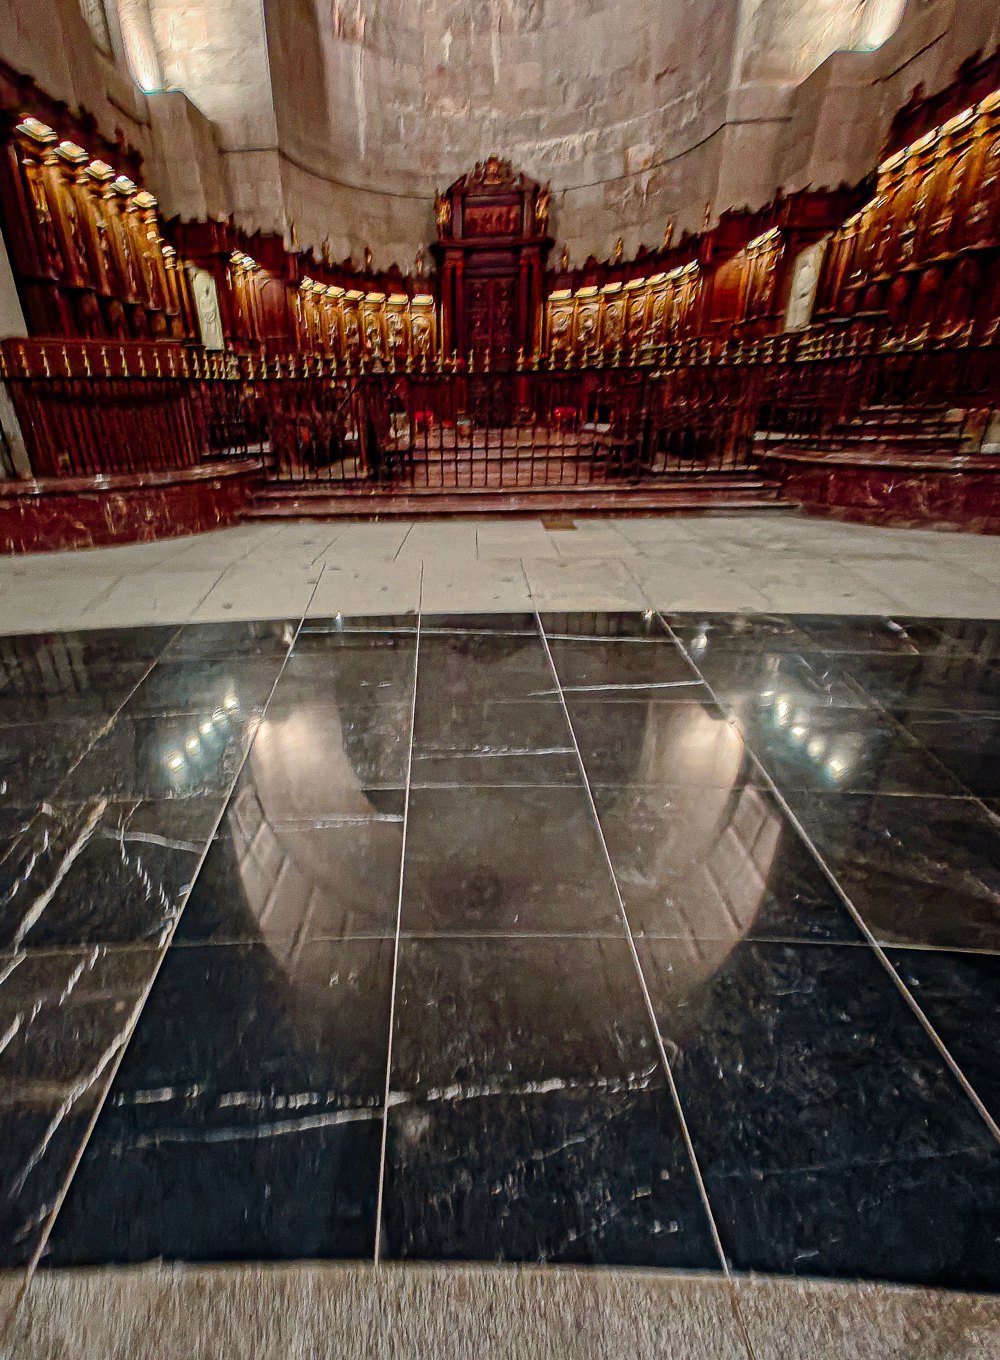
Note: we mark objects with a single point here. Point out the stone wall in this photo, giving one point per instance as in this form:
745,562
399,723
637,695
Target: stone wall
344,116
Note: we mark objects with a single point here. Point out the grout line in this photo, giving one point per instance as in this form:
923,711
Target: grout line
105,727
395,948
395,555
140,1006
732,1285
682,1121
336,539
862,925
527,583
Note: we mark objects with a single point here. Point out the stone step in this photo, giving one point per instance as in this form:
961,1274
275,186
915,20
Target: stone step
717,493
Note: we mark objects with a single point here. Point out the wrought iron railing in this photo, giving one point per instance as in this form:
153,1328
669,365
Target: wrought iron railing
701,409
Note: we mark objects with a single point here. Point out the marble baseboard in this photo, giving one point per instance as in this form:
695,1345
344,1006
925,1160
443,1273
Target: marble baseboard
905,496
90,512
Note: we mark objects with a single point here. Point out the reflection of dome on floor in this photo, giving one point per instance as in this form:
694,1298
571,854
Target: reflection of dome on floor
308,865
318,853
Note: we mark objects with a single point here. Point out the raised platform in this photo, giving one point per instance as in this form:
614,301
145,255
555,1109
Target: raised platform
89,512
920,491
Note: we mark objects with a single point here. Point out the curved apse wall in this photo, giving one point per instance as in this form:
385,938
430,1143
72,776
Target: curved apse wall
344,116
403,96
627,106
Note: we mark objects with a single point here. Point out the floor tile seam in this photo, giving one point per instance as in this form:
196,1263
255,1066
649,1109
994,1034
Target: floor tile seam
133,1023
648,1001
336,539
890,713
880,954
395,556
527,581
108,947
100,732
383,1150
736,1304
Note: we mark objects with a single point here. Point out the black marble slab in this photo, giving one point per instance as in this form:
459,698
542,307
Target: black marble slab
360,623
347,669
36,757
470,668
529,1117
64,1016
624,668
959,683
643,743
716,864
960,995
78,650
505,861
155,756
101,872
246,1120
495,741
198,683
588,1177
269,637
768,682
919,870
967,745
430,624
67,692
866,633
705,634
280,883
316,760
586,625
955,637
824,750
846,1145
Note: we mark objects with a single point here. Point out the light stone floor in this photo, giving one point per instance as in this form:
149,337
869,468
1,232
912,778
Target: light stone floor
760,562
309,1311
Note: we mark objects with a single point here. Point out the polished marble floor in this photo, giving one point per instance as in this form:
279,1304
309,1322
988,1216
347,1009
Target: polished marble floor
616,938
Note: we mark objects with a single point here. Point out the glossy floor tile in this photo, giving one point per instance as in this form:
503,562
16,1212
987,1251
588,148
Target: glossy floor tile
246,1117
529,1119
503,937
966,745
282,882
847,1146
960,995
716,864
506,860
919,870
64,1016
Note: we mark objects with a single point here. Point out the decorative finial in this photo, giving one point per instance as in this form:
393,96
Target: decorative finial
619,251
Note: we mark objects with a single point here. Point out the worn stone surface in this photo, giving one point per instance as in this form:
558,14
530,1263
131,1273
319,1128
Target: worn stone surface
826,1321
456,1313
302,1312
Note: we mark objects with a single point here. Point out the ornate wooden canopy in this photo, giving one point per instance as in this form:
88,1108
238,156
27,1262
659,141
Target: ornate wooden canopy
492,246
